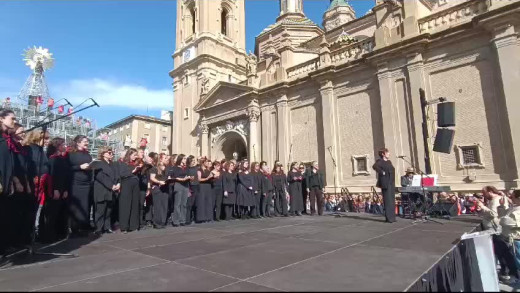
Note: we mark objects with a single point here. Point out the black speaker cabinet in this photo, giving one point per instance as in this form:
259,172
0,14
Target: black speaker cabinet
444,140
446,114
444,209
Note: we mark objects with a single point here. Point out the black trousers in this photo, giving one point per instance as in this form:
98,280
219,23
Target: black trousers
218,194
280,203
129,200
148,209
160,207
102,215
505,257
190,204
228,211
389,203
142,199
255,212
54,219
266,204
316,197
305,195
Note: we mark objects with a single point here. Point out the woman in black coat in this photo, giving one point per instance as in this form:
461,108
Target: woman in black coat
205,200
245,189
218,193
229,186
129,198
160,194
7,149
80,192
295,179
280,190
267,191
257,188
54,209
386,181
105,184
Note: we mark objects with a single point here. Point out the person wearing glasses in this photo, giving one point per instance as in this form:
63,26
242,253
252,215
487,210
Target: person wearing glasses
105,184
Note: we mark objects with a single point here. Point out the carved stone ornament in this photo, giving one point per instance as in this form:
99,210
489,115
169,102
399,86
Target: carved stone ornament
240,126
253,114
204,128
251,64
204,86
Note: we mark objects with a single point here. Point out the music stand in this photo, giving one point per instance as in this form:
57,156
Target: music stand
30,249
424,218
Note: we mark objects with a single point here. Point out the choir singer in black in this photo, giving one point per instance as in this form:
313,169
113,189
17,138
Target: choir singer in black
386,181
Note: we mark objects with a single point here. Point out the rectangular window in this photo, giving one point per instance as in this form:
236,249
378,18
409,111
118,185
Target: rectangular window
128,126
147,126
164,140
470,156
164,129
186,113
360,165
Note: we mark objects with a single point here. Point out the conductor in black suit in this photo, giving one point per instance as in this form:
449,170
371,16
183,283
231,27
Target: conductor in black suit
386,181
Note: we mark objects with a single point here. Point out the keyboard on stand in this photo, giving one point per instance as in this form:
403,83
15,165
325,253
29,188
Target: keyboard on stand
426,189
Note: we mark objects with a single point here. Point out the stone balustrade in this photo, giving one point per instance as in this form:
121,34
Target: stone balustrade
352,52
452,16
303,68
342,55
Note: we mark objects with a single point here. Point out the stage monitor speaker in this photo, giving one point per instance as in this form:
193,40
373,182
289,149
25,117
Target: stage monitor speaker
446,114
444,140
444,209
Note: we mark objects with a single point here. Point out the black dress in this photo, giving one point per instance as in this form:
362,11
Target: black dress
257,188
295,191
386,181
6,203
145,211
245,195
54,210
229,185
22,204
204,200
218,195
80,194
129,198
160,194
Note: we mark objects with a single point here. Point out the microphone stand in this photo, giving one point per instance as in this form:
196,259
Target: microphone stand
31,250
425,217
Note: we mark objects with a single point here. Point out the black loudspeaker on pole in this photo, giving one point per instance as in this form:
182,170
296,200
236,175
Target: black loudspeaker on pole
446,114
444,140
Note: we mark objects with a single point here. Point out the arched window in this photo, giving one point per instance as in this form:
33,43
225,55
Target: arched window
192,13
224,22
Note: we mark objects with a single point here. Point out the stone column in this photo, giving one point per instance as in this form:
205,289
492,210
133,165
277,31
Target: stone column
386,93
507,44
204,141
328,103
253,112
282,122
416,81
267,137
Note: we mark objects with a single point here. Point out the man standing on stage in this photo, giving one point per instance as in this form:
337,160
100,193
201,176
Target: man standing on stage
386,181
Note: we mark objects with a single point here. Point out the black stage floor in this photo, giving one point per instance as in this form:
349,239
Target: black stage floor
357,252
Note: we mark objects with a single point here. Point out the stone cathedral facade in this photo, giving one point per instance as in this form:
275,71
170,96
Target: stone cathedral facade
338,92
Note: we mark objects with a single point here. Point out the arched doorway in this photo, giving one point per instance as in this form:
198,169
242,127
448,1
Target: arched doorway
229,145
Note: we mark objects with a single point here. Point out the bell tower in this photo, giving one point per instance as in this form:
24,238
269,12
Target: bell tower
210,47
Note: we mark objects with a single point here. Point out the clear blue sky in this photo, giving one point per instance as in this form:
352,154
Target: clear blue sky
118,52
